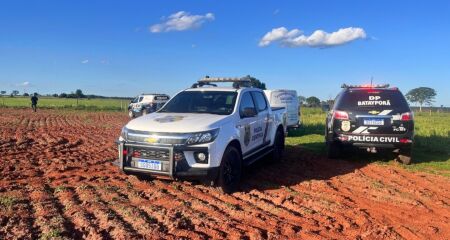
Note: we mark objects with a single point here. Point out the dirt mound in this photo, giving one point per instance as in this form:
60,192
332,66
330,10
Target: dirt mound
57,179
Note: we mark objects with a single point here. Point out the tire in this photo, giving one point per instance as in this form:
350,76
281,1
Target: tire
130,113
404,156
278,147
333,150
230,170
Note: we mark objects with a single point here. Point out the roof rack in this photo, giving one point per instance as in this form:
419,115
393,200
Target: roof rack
153,94
365,86
238,82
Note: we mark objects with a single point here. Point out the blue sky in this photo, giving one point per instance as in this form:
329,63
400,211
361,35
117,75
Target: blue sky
108,48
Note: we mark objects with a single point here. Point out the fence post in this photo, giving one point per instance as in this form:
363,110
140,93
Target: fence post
121,105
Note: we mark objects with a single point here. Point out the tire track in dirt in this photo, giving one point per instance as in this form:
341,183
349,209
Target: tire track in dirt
83,220
221,212
16,221
108,219
49,214
178,213
144,224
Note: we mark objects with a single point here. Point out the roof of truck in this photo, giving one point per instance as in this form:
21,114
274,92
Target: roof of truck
209,88
155,94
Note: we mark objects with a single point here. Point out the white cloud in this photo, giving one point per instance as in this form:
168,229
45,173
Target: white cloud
85,61
181,21
319,38
24,84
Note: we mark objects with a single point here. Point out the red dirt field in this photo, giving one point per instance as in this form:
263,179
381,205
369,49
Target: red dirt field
58,181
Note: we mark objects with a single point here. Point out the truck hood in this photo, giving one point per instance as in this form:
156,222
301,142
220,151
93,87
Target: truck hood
177,122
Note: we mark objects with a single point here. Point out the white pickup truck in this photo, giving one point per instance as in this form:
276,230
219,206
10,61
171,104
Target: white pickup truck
204,132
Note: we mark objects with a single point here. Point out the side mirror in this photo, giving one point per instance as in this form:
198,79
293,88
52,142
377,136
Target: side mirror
248,112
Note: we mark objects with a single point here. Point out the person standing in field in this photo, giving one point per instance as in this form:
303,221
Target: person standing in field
34,100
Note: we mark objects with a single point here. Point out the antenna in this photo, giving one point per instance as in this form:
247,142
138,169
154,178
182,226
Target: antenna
371,81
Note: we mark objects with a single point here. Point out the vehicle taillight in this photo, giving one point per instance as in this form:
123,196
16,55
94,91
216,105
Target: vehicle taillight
407,116
340,115
405,140
136,153
125,152
373,91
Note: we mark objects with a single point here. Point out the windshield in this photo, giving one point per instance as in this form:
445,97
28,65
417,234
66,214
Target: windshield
213,102
372,99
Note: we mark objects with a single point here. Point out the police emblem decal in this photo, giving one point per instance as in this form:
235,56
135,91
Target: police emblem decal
168,119
247,135
345,126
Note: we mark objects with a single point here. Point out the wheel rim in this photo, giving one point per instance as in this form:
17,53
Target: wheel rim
229,173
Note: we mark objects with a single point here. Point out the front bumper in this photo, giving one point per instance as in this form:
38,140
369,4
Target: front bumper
173,166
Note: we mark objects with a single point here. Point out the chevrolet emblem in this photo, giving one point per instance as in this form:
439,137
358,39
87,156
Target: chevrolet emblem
374,112
151,140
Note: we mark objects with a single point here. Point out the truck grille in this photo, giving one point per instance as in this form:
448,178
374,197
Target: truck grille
137,154
149,153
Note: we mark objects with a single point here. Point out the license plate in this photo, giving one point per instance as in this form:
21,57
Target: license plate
374,122
149,164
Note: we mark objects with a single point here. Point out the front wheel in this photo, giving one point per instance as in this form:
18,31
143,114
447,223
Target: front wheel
405,156
230,170
278,146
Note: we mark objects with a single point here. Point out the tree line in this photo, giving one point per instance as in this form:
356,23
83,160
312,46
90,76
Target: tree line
77,94
420,96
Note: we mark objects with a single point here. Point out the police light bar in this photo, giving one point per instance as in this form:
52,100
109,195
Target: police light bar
365,86
237,82
208,79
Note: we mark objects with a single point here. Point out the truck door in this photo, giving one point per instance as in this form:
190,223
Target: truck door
248,122
262,133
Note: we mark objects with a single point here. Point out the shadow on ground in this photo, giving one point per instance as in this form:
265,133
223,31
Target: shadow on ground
298,165
301,164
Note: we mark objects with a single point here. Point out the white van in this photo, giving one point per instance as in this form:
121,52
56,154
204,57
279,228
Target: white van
289,100
146,103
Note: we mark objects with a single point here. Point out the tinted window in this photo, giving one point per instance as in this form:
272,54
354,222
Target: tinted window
246,102
140,99
162,97
213,102
260,101
373,99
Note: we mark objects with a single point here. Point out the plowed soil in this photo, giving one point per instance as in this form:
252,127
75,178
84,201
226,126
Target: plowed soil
58,180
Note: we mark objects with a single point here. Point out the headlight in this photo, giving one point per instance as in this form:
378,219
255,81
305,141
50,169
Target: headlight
124,133
203,137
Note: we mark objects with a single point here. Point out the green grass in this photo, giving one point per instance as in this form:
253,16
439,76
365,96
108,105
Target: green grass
67,103
311,134
431,152
7,201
